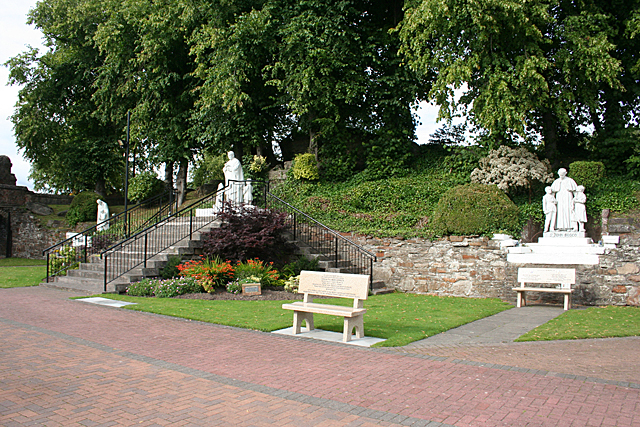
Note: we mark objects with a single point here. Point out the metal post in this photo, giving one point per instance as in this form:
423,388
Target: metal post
146,235
126,179
295,225
47,267
336,257
190,224
105,272
86,248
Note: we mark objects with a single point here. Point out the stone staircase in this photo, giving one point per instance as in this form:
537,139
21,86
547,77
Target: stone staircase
89,276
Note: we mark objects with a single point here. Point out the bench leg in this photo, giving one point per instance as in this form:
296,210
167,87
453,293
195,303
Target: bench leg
522,299
567,301
349,324
298,317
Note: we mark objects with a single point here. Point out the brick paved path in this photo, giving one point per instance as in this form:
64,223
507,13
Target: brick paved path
63,362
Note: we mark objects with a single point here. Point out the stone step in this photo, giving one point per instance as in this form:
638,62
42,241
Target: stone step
564,241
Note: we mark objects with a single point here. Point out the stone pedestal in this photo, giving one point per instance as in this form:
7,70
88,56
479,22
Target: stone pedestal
558,248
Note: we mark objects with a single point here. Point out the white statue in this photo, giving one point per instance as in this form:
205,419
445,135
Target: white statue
579,209
550,209
103,216
219,198
233,171
564,187
248,193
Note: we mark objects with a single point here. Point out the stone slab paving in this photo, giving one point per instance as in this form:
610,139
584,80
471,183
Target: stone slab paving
505,326
67,363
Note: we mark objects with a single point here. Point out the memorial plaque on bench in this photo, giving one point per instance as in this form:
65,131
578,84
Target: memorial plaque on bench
334,284
565,276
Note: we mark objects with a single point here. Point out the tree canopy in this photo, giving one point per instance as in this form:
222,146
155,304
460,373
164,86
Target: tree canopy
528,68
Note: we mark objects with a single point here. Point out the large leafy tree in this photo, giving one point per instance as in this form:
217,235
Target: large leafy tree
541,67
328,70
55,122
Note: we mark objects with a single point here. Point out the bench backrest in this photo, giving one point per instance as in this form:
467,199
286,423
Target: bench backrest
339,285
563,276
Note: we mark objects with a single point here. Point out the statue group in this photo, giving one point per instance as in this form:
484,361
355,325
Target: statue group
564,205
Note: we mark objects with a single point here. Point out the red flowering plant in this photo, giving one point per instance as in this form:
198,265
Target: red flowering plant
210,273
257,268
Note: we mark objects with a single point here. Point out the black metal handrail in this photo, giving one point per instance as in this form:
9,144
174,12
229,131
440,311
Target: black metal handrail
68,253
138,249
324,240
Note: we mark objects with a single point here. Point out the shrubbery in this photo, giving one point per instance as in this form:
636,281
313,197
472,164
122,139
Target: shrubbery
83,208
586,173
210,273
245,233
145,185
475,209
167,288
305,167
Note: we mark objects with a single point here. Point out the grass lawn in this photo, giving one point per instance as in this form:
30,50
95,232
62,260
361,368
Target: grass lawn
399,318
593,322
13,277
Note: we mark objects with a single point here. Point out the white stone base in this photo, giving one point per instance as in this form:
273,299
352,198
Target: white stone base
206,212
319,334
554,259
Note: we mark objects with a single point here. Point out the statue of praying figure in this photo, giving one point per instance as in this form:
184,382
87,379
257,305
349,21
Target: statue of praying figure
564,187
219,198
248,193
232,175
550,209
103,216
579,209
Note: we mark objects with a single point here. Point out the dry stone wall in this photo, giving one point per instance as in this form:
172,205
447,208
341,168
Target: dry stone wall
478,267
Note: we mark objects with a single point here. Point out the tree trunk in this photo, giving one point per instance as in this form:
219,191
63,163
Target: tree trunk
168,176
181,181
101,189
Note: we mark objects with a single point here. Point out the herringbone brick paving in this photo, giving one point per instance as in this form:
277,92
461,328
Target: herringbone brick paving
64,362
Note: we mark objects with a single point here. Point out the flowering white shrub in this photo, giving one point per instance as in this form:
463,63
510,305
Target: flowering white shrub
509,168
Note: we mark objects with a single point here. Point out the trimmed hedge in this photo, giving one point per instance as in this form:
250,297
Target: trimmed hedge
475,209
83,208
145,185
586,173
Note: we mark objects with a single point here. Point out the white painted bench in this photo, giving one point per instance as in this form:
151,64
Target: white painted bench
337,285
558,276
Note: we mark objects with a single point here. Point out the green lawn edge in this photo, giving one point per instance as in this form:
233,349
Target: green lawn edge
17,277
592,322
398,318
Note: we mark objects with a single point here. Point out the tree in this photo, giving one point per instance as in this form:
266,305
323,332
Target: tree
54,121
537,67
327,70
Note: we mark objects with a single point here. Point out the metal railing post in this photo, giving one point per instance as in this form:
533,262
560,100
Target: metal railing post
190,224
295,225
47,267
146,235
336,257
86,248
105,272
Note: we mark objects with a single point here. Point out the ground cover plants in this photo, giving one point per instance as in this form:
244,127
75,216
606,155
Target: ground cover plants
405,205
399,318
593,322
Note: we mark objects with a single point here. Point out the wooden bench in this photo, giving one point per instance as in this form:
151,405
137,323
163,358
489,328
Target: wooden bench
558,276
337,285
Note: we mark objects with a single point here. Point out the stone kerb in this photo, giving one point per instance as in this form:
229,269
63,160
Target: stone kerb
478,267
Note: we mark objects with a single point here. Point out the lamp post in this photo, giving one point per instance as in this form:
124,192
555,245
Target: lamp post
126,175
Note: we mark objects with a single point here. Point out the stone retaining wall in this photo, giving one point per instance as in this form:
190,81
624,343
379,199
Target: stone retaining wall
477,267
29,238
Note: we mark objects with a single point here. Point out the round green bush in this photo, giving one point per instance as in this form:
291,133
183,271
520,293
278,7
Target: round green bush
305,166
83,208
145,185
475,209
586,173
